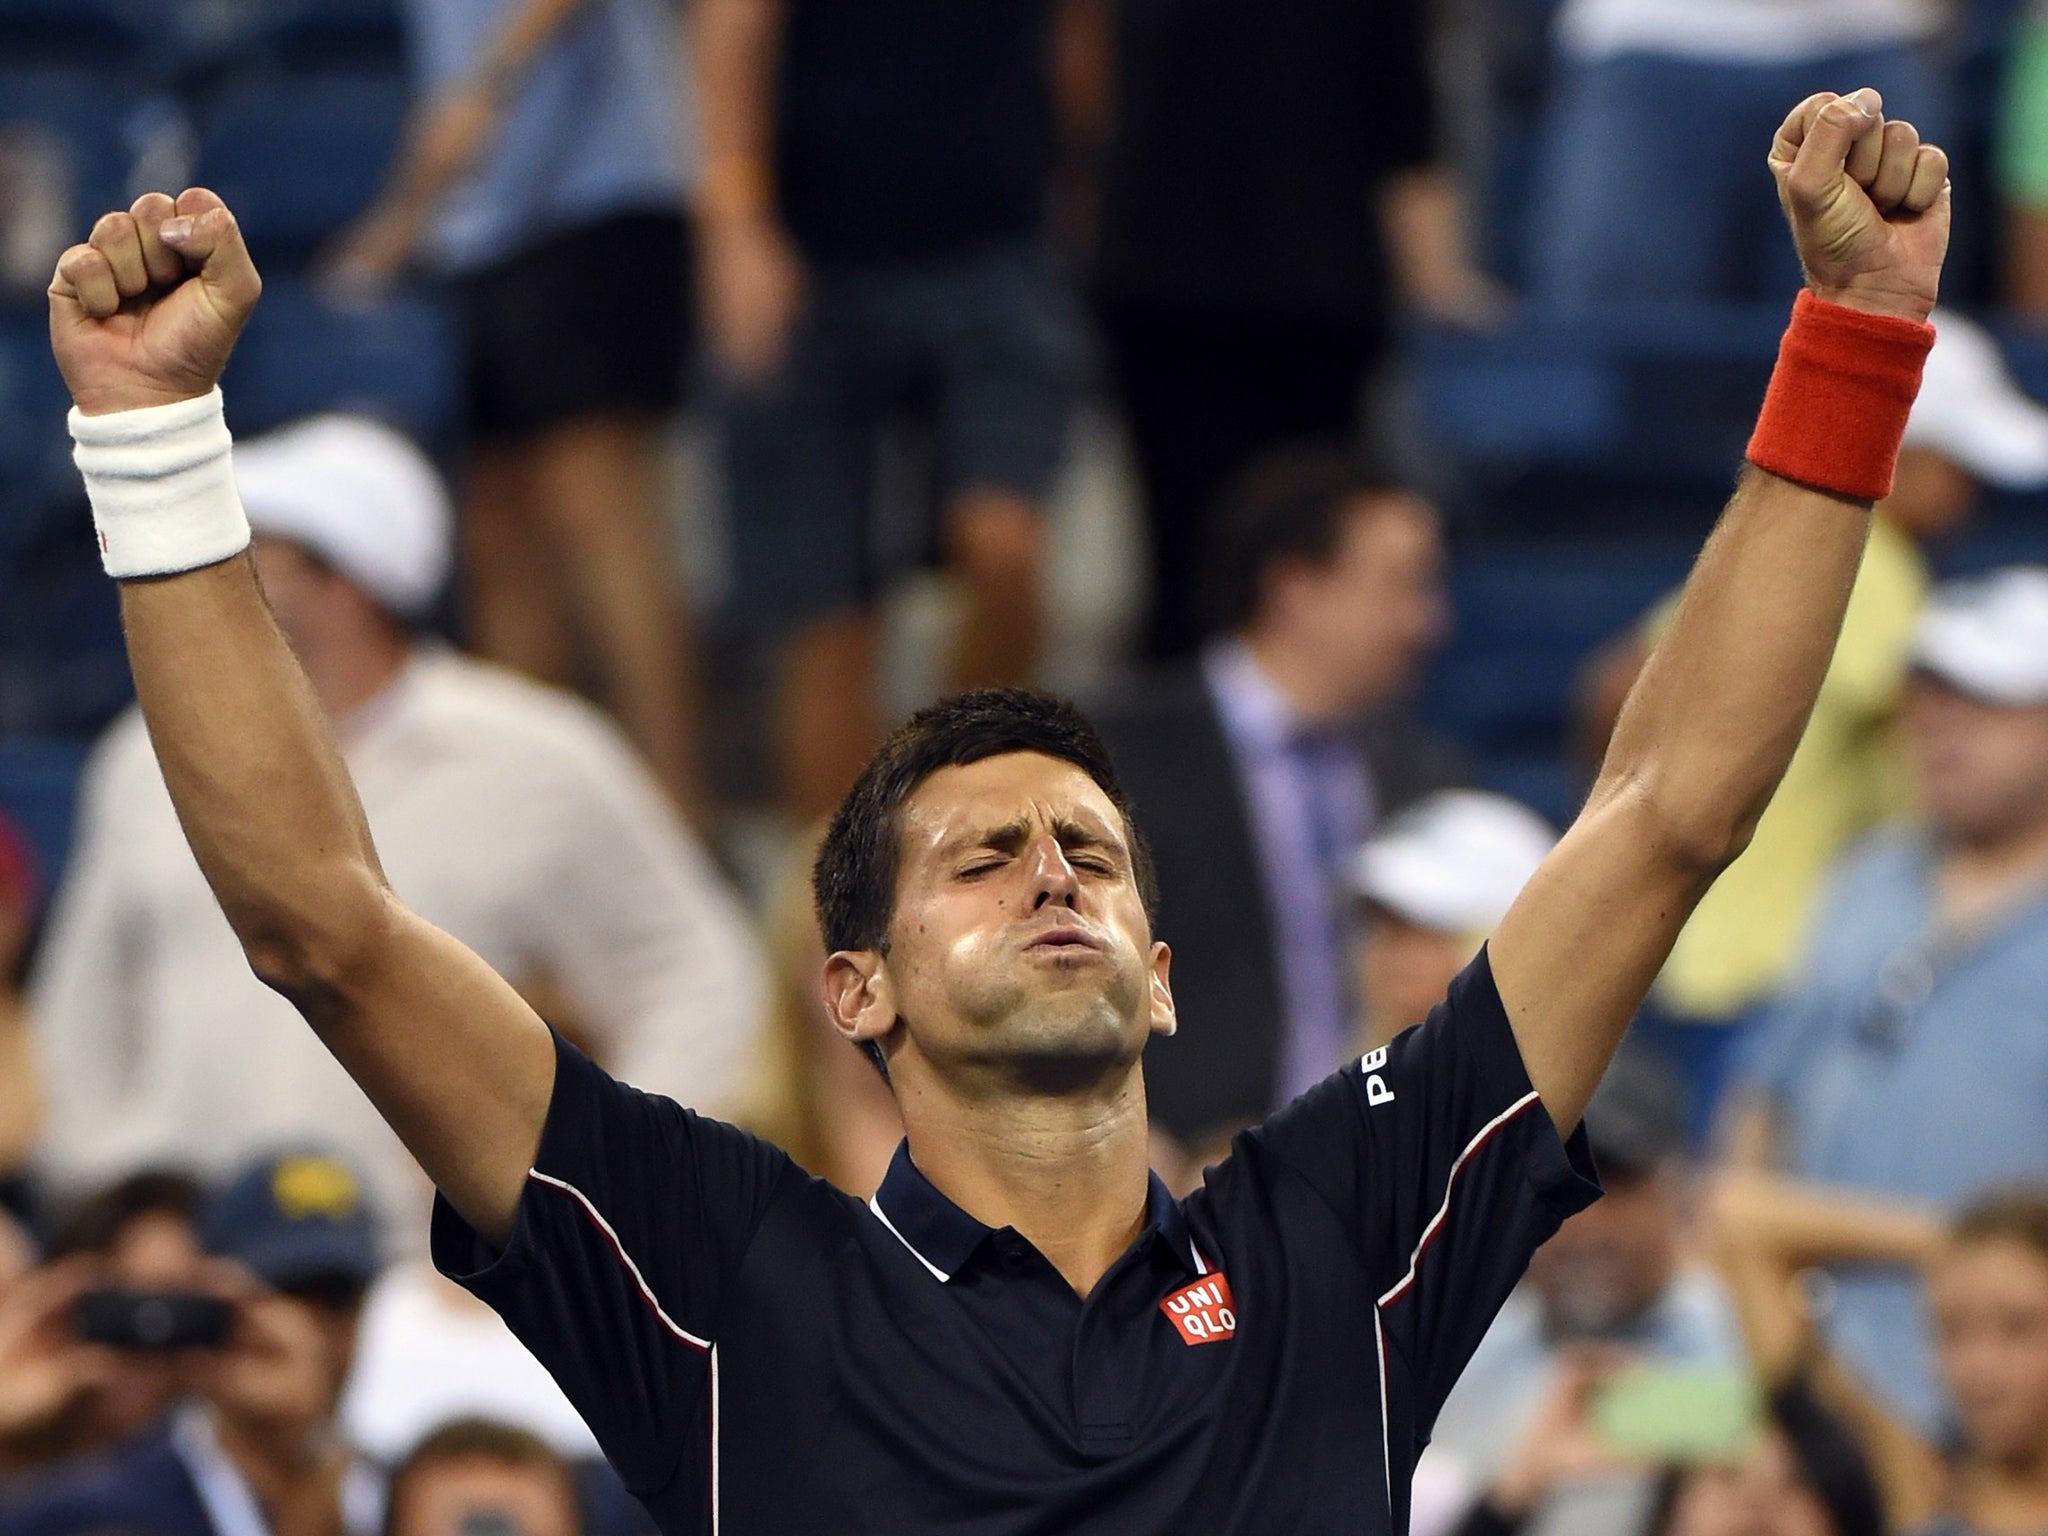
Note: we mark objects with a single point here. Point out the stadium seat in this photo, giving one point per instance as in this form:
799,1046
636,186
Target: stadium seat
302,354
95,115
99,33
297,155
35,464
39,792
326,34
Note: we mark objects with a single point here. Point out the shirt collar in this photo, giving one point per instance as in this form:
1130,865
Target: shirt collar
1255,713
943,1238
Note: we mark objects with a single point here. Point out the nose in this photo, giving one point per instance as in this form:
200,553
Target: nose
1053,879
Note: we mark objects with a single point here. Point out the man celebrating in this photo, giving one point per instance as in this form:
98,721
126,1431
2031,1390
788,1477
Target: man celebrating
1022,1332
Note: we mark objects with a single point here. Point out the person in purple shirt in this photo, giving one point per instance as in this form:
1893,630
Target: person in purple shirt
1263,765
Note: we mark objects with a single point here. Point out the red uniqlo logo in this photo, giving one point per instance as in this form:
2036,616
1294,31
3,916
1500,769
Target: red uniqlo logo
1203,1312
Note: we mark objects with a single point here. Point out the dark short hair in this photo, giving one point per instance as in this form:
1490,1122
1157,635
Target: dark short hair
1826,1459
1290,504
2014,1213
96,1223
479,1439
853,882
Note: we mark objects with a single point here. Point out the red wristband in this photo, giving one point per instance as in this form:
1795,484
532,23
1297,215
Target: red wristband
1839,397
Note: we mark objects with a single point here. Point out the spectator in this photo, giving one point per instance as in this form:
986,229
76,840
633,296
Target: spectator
141,1233
1907,1062
255,1446
1970,427
1986,1274
544,178
1621,63
20,1091
1431,884
474,1475
2021,148
874,227
820,1102
431,1352
1615,1283
512,815
1257,770
48,1376
1800,1473
1272,179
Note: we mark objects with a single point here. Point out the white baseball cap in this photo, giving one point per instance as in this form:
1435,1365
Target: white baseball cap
1453,862
1972,412
360,496
1988,637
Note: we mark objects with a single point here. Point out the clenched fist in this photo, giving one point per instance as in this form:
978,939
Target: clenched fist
146,311
1868,203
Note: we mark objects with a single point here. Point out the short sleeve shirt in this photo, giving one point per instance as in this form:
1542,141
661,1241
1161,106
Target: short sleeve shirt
758,1352
1910,1061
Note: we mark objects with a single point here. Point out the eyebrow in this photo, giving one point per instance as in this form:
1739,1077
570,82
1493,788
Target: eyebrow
1012,835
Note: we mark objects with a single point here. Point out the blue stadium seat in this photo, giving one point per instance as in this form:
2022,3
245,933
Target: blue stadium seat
39,791
100,33
1528,614
302,354
35,464
93,113
1648,405
297,155
325,34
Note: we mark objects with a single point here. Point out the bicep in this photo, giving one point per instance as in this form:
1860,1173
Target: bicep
451,1056
1577,952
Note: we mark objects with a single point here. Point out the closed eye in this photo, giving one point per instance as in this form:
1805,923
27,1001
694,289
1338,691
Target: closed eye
984,867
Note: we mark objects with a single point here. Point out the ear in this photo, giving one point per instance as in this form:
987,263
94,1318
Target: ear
1164,1020
860,997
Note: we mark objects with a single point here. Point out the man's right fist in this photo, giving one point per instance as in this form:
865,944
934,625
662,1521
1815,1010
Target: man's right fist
1868,203
147,311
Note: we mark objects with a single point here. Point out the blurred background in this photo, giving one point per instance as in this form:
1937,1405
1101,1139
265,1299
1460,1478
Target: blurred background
651,403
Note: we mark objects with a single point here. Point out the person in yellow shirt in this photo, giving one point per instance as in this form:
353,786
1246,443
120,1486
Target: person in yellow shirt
1971,426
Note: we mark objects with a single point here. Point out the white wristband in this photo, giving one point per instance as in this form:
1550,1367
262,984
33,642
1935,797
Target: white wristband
162,486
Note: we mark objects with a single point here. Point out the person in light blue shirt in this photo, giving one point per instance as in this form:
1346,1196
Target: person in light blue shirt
1911,1058
545,179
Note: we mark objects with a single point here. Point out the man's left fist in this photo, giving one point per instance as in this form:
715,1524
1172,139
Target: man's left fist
1868,203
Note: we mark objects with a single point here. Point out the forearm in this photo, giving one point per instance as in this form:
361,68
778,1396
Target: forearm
1422,223
252,768
736,45
455,126
20,1085
1713,720
1799,1225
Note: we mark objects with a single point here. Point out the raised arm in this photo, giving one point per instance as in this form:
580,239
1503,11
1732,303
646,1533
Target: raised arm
446,136
144,316
1766,1233
1713,720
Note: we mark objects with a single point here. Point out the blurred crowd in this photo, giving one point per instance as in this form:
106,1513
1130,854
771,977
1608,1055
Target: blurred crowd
668,397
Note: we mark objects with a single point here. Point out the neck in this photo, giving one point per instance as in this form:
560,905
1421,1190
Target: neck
1069,1174
1979,877
1300,675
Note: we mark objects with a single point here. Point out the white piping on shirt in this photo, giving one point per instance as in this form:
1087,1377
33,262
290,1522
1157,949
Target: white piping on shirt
647,1295
1399,1287
875,1205
619,1248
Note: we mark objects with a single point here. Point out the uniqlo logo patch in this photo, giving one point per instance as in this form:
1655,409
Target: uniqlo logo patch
1203,1312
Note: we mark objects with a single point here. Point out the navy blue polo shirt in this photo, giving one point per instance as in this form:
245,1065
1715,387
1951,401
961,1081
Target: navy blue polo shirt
758,1352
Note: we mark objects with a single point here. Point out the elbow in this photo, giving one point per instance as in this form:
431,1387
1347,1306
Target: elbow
1697,835
312,952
